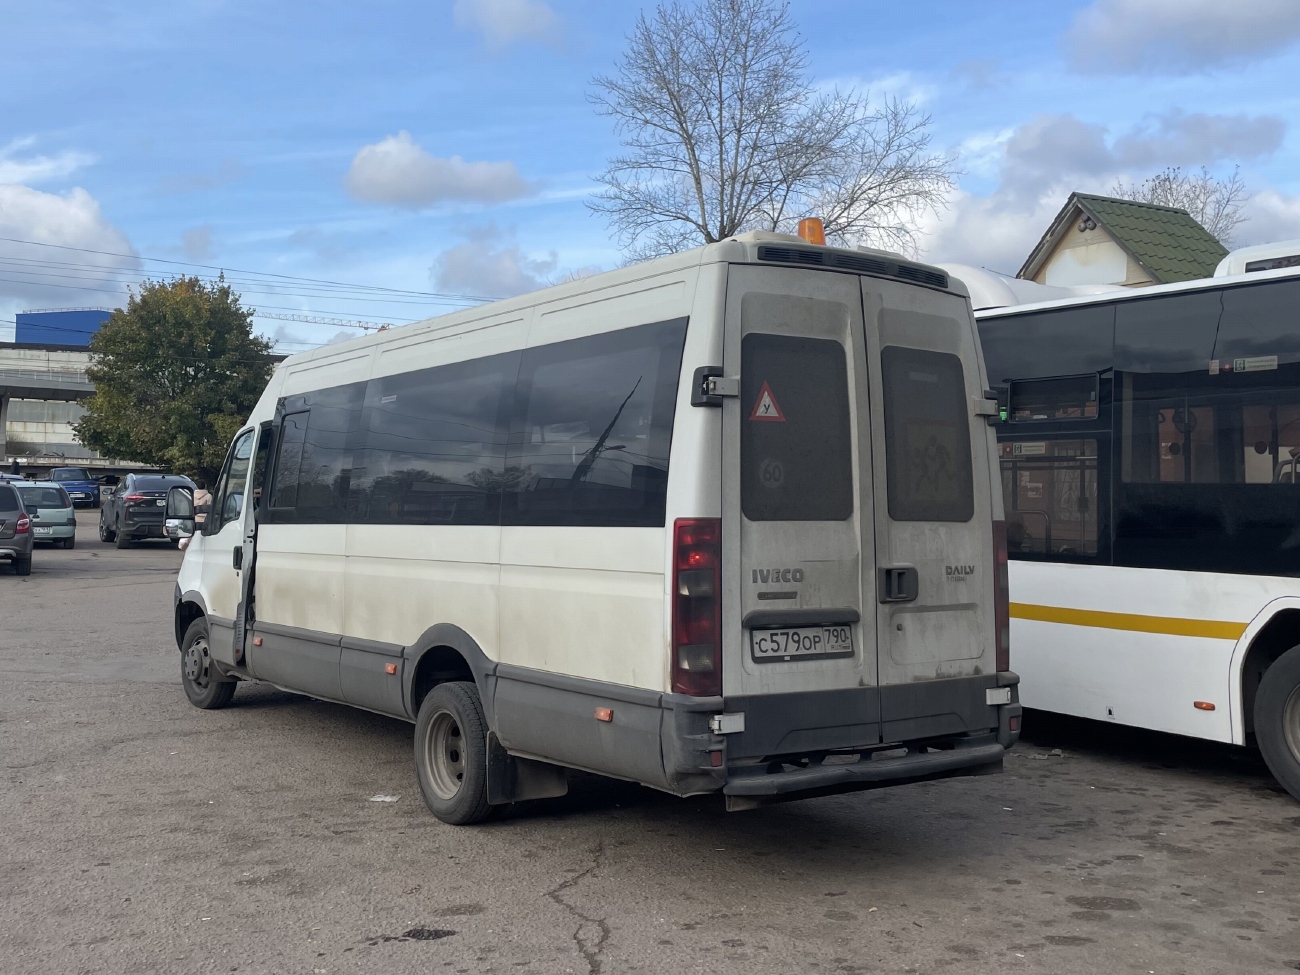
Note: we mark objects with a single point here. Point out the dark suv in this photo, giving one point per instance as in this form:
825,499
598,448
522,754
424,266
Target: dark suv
15,530
137,507
81,487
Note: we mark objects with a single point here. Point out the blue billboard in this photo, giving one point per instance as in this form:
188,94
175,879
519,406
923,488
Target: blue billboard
65,326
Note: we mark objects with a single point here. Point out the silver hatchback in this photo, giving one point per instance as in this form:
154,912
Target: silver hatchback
54,519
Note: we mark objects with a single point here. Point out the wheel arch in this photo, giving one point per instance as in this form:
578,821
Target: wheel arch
446,652
189,607
1274,631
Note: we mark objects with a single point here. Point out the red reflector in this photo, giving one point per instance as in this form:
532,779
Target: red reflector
604,714
390,668
1014,722
715,759
1001,598
257,641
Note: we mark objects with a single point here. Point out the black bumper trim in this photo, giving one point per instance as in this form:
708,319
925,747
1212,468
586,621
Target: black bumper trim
866,772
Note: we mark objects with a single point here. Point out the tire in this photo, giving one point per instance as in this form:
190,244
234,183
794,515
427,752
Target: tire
122,539
23,567
105,533
451,753
198,673
1277,720
70,542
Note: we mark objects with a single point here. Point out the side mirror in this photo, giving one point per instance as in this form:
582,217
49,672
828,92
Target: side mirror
180,513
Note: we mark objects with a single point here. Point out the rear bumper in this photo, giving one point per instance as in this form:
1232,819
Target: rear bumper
57,532
11,548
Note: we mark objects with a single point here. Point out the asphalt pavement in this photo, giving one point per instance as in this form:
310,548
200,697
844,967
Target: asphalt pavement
283,834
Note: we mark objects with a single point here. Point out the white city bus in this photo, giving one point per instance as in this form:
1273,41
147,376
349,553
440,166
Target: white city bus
722,522
1148,445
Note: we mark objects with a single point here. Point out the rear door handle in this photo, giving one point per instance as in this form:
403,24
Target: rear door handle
899,584
237,556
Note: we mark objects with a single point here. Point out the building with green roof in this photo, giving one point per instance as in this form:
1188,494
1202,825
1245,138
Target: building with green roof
1104,240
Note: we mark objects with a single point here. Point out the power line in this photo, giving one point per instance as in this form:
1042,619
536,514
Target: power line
270,274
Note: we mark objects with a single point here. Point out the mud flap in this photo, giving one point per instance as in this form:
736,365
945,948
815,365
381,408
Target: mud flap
512,779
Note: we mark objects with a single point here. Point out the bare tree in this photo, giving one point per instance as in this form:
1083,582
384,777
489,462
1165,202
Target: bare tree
724,132
1215,203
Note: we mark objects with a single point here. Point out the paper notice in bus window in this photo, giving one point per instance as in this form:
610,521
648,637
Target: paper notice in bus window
931,470
1255,363
1029,449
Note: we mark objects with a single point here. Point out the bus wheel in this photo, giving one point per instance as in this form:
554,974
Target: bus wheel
1277,720
451,753
203,684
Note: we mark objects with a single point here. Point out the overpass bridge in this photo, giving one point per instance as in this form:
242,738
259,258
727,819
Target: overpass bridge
50,381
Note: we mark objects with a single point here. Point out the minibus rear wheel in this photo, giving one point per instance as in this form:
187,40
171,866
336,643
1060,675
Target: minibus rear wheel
1277,720
451,753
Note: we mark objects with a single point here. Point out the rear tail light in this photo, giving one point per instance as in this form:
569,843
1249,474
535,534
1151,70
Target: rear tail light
1001,597
697,607
23,525
134,497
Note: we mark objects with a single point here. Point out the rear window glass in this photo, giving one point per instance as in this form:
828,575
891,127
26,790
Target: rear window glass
8,498
44,497
71,474
796,451
927,436
159,483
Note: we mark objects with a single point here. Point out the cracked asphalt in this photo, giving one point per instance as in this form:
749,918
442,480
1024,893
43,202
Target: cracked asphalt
140,834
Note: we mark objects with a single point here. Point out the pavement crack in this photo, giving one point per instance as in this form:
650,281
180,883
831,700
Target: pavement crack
592,933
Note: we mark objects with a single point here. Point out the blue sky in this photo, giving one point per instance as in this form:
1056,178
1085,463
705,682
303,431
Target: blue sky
449,146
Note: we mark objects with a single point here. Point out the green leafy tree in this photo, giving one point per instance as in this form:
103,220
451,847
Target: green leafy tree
176,373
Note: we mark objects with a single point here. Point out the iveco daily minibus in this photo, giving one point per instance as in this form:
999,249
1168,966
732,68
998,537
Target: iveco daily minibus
727,521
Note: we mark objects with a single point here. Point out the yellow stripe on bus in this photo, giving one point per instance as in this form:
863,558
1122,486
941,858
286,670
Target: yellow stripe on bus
1174,626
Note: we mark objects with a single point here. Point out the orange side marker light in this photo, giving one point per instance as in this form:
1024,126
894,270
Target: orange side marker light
1203,705
390,668
604,714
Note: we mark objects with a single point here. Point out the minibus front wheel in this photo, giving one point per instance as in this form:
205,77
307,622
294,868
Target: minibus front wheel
451,753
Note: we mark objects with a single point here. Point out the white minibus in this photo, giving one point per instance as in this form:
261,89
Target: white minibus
727,521
1148,457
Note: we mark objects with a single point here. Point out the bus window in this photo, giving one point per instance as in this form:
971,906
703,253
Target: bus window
1067,398
1050,492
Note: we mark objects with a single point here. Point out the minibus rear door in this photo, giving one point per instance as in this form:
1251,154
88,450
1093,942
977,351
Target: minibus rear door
798,640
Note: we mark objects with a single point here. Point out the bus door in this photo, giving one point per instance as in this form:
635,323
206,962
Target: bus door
799,631
934,593
246,557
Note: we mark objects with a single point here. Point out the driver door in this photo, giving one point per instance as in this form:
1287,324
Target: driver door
223,535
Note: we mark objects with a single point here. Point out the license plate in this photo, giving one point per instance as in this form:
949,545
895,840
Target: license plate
160,502
801,643
42,531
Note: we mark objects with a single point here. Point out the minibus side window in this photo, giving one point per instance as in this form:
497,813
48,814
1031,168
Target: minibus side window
592,427
927,436
288,461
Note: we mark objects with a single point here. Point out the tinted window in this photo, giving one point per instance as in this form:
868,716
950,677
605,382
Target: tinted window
927,436
288,463
1260,322
591,429
39,497
796,450
161,483
1048,343
435,445
1169,334
8,498
1050,491
70,474
325,469
1068,398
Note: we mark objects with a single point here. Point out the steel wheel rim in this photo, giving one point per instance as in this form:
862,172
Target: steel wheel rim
1291,723
444,755
196,663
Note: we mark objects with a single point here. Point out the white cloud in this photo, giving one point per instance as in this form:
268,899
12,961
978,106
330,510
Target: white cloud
38,168
1272,216
197,242
71,219
490,264
399,173
503,22
1049,157
1178,35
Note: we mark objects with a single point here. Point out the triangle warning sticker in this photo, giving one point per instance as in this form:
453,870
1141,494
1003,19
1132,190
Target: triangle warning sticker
765,408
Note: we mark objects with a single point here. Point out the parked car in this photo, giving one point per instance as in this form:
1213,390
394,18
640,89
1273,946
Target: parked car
15,530
54,519
136,507
82,488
